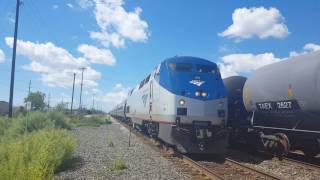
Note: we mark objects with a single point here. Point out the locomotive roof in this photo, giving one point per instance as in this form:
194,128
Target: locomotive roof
188,59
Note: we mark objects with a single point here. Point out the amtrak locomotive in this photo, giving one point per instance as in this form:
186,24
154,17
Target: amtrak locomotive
183,102
279,107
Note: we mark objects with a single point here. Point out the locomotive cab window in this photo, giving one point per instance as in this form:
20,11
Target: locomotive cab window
180,67
206,69
147,79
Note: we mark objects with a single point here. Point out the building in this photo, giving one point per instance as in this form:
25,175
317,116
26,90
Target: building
4,108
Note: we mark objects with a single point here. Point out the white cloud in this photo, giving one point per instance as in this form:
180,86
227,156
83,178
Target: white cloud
85,3
54,7
310,47
55,64
96,55
2,56
116,24
119,86
114,97
70,5
244,63
260,22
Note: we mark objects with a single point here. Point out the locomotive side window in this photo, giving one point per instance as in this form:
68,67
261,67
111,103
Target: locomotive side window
206,69
180,67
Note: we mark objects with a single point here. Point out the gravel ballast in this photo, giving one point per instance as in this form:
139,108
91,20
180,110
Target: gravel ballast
95,156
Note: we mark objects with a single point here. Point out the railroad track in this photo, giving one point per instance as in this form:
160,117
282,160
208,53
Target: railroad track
301,164
230,169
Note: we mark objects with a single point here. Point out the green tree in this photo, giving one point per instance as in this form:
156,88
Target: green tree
36,99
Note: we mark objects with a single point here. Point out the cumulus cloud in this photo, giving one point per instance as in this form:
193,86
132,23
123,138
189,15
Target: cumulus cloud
70,5
96,55
244,63
85,3
115,23
2,56
55,64
114,97
256,22
310,47
54,7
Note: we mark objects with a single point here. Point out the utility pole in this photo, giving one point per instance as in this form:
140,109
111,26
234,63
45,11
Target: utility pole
93,101
74,79
49,102
29,88
80,105
13,65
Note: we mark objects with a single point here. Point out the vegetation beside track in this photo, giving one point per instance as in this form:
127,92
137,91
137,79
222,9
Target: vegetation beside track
89,121
34,145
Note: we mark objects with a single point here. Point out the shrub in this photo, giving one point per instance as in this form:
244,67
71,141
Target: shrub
118,164
36,155
38,120
110,143
88,121
60,119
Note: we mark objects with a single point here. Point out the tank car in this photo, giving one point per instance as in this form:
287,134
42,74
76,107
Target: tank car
283,102
182,102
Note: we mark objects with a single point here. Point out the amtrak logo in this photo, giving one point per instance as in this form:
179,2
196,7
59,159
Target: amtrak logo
197,82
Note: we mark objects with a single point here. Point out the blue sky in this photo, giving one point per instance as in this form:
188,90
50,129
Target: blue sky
121,41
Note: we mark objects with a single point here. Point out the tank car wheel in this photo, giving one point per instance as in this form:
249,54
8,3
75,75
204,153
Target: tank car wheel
284,146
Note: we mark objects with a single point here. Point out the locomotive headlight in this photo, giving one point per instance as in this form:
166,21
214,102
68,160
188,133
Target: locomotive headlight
182,102
204,94
197,93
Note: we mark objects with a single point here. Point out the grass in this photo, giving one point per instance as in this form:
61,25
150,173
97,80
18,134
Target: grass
118,164
89,121
110,143
36,155
34,145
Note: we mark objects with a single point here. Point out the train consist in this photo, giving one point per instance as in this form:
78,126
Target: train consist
278,107
182,102
185,103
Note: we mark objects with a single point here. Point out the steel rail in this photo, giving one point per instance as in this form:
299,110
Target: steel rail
267,175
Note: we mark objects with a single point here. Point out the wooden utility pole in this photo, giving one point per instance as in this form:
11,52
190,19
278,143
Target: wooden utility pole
13,65
80,103
74,79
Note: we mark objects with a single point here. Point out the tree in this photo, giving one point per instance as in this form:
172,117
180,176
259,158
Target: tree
36,99
61,106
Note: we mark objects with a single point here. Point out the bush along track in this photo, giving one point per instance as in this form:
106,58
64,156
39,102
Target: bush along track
35,145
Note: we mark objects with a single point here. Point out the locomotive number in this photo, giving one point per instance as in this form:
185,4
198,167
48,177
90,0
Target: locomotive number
265,106
284,105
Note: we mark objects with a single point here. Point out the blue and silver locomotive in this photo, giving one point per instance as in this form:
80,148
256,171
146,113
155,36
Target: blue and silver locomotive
183,102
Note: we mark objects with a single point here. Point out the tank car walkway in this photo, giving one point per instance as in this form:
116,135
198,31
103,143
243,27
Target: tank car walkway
95,157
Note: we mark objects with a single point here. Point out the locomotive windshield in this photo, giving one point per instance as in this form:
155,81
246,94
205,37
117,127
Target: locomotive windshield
180,67
206,69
